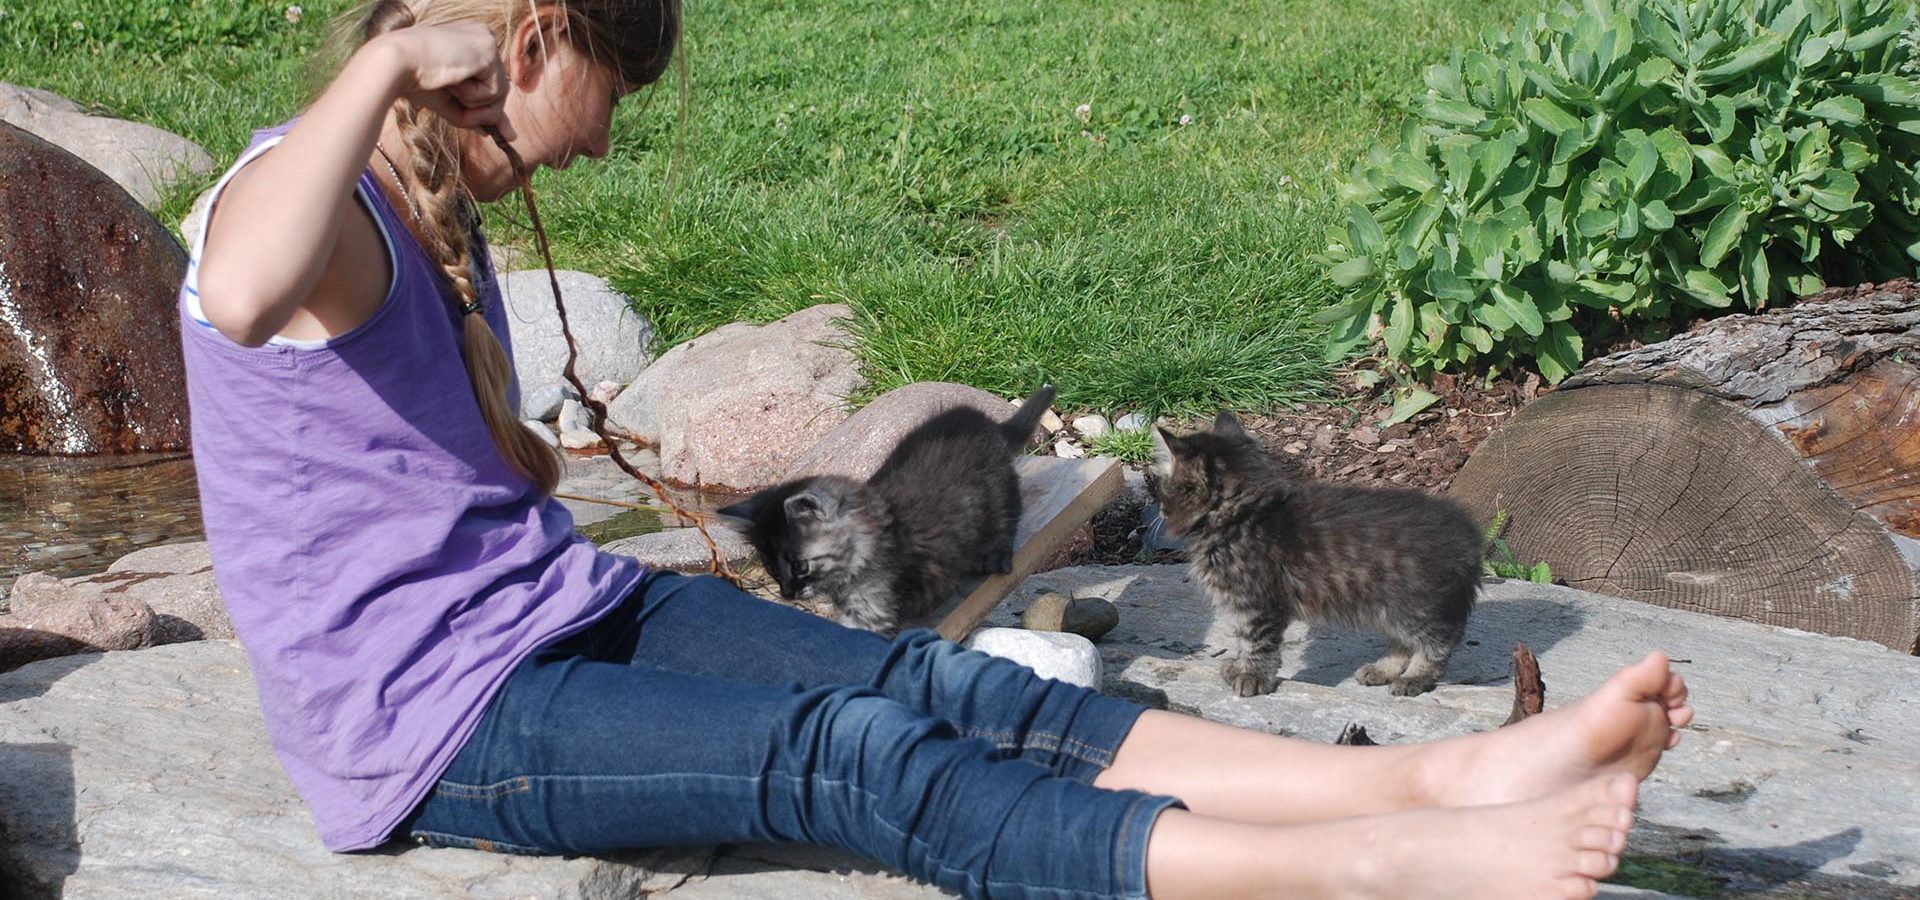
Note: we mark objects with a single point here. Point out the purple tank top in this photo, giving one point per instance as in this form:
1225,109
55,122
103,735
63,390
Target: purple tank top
385,569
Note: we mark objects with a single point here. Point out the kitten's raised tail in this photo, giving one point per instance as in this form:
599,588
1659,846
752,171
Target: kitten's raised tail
1019,429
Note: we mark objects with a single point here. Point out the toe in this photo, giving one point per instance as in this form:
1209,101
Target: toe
1601,837
1595,863
1676,692
1575,888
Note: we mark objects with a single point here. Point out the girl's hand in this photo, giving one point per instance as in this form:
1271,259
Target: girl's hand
454,70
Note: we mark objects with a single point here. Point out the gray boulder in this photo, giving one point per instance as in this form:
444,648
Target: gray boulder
614,341
734,408
857,446
141,158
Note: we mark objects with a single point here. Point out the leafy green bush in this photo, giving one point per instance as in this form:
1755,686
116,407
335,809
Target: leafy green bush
1631,161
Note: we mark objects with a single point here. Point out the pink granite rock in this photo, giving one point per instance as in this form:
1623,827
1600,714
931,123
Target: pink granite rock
858,446
732,409
77,622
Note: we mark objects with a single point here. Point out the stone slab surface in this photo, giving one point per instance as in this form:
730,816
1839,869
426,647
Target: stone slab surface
147,773
1802,767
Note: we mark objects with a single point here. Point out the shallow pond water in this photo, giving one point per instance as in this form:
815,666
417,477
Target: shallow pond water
68,516
74,515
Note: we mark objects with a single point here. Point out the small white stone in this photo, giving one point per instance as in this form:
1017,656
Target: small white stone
574,417
1050,654
576,427
605,391
540,428
1066,449
1130,422
579,440
1092,426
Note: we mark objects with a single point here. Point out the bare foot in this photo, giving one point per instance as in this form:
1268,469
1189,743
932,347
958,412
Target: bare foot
1557,846
1622,727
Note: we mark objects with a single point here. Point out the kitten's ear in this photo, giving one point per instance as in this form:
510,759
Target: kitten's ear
809,506
1225,424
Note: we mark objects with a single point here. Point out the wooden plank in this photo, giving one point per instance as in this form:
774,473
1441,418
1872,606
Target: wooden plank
1057,496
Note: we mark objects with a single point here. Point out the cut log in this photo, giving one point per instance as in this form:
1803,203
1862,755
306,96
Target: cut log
1765,467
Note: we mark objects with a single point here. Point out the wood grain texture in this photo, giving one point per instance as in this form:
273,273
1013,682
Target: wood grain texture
1763,467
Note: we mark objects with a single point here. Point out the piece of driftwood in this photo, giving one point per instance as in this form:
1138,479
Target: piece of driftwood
1529,691
1057,496
1764,467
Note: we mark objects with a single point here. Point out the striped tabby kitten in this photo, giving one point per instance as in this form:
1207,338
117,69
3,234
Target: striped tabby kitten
1269,546
945,504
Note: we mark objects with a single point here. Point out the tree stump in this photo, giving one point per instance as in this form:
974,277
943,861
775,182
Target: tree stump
1764,467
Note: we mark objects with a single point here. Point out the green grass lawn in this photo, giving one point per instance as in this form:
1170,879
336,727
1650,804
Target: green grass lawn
1003,191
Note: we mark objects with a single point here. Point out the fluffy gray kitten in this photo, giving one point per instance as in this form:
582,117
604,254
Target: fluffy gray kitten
944,504
1270,545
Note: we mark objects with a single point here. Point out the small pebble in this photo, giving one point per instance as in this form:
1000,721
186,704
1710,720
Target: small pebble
1088,617
1066,449
1092,426
1130,422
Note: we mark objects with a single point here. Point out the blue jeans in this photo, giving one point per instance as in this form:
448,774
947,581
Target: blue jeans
697,714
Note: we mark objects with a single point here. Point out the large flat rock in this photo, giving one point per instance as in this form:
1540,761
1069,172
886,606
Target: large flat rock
148,774
1799,775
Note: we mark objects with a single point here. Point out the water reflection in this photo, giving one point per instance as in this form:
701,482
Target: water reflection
69,516
74,515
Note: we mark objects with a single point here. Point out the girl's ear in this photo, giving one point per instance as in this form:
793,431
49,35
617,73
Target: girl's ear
531,44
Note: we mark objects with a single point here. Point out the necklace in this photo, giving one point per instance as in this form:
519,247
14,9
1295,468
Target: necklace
397,181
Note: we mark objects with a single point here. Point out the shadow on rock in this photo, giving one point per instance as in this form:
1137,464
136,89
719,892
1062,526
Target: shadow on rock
1330,656
39,840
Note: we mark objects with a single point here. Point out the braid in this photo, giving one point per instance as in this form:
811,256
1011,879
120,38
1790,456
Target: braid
445,230
445,226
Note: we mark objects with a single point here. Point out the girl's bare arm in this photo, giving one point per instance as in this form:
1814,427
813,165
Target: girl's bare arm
275,226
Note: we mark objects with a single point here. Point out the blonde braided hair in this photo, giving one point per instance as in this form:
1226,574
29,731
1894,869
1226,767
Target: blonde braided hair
444,226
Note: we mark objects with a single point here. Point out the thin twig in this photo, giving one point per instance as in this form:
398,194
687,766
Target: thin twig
585,499
718,563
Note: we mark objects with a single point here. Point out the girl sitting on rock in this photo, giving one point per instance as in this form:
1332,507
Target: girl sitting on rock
440,657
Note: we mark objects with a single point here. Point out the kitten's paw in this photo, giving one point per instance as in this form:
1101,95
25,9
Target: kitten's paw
1248,678
1413,687
1373,675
